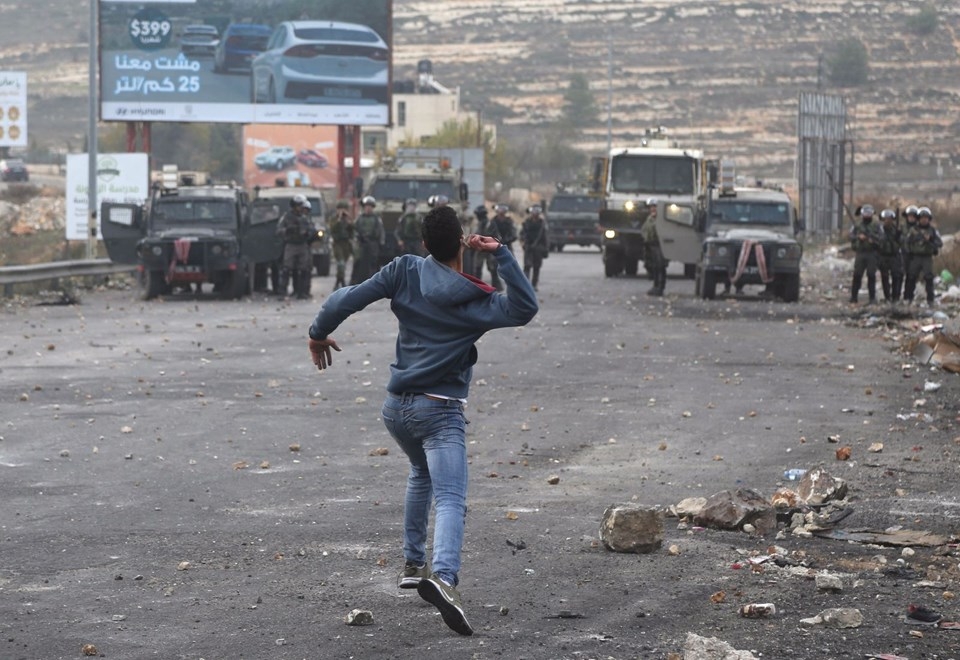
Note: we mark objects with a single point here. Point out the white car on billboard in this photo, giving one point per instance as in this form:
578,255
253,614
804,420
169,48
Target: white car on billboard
322,62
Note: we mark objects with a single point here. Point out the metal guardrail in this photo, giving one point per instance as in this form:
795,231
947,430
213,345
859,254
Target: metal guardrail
55,270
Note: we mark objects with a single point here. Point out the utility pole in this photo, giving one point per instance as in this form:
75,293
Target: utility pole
92,94
609,90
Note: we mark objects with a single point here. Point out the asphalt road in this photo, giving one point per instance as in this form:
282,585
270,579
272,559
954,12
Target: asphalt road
178,481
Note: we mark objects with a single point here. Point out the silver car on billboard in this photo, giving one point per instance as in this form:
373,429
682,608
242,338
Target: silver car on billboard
326,62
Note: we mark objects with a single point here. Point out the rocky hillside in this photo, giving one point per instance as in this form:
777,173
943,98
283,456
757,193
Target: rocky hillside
722,74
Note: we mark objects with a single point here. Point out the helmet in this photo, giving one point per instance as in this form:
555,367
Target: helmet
652,201
536,209
888,214
306,205
343,204
924,212
501,208
866,211
480,210
441,200
410,202
368,201
298,200
910,210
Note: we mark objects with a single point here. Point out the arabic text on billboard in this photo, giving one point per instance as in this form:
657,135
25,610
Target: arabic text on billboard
13,109
280,62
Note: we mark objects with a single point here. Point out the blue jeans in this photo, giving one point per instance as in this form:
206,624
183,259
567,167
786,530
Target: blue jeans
432,433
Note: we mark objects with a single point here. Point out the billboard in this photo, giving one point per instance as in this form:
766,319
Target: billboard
13,109
246,61
121,178
290,156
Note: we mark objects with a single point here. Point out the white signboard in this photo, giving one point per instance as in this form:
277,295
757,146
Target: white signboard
120,178
13,109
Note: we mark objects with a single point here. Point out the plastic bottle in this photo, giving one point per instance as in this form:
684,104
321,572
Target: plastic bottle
794,474
758,610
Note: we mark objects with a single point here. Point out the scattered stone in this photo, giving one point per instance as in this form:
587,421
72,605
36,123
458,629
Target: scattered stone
829,583
836,617
631,528
359,618
89,649
818,487
674,549
710,648
689,507
553,479
183,566
785,498
379,451
843,454
733,509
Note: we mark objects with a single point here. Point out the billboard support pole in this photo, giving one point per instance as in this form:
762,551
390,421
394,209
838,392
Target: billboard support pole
356,157
92,138
341,162
131,137
147,142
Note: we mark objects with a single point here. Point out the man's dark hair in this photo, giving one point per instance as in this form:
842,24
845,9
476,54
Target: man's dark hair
442,233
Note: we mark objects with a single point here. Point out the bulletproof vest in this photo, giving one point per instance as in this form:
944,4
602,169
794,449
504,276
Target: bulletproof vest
367,227
293,229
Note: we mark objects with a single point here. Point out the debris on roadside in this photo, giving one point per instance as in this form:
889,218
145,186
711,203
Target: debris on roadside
359,617
632,528
696,647
836,617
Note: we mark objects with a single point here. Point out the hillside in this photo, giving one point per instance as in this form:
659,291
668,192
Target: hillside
723,74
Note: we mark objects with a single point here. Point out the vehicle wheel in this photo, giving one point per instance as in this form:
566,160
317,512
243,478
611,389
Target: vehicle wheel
789,287
612,264
690,271
322,265
152,284
708,285
631,266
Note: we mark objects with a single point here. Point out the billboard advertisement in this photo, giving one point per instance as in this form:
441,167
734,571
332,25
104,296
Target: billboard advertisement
289,156
246,61
13,109
121,178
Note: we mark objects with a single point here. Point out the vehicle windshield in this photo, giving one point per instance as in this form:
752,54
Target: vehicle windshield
265,212
402,189
574,204
741,212
193,212
334,34
653,175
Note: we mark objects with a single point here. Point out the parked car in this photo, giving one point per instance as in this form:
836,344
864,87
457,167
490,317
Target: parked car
322,62
13,169
275,158
199,40
312,158
239,44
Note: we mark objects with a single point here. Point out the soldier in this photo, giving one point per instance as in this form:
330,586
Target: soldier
654,261
342,232
370,238
536,245
502,228
483,227
910,218
865,236
297,231
891,261
923,242
409,229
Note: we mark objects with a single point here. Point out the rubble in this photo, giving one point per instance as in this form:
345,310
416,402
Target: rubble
734,509
817,486
710,648
836,617
631,528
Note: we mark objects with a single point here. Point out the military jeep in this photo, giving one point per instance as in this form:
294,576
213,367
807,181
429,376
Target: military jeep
750,239
190,235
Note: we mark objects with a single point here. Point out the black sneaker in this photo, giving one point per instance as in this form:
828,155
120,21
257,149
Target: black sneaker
411,575
446,599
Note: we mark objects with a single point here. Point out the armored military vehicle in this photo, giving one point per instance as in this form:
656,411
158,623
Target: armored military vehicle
189,235
572,219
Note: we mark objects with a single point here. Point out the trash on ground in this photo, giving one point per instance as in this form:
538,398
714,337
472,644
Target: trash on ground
898,538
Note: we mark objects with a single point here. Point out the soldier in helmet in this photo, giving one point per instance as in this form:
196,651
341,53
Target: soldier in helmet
910,221
923,242
536,244
342,234
409,229
370,238
891,261
297,231
501,227
654,261
865,237
482,227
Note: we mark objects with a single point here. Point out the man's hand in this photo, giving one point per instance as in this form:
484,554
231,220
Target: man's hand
320,351
481,243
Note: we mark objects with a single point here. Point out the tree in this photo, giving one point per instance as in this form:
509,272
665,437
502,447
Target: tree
925,22
579,104
849,65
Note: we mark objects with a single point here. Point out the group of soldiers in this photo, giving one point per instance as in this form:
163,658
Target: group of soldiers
902,254
363,238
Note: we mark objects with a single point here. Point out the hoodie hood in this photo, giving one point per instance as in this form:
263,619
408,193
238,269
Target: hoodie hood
444,287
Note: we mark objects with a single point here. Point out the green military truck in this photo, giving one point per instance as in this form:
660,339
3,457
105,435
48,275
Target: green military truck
749,239
189,235
572,219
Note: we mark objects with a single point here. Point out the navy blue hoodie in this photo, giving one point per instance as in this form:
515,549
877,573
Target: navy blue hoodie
442,313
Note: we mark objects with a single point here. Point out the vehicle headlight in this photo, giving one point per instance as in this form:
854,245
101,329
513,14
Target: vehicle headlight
157,250
722,251
319,233
781,253
216,250
629,206
680,214
609,234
